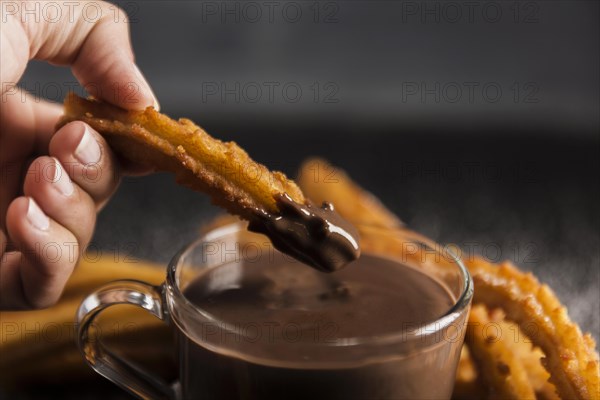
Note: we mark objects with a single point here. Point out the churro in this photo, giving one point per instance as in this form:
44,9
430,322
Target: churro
272,203
499,367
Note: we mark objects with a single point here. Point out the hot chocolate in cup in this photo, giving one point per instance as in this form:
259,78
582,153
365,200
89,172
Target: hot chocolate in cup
253,323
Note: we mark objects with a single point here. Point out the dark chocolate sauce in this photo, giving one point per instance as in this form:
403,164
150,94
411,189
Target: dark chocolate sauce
317,236
249,352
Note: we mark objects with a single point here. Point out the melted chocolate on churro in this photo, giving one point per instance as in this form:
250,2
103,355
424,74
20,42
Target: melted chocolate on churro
317,236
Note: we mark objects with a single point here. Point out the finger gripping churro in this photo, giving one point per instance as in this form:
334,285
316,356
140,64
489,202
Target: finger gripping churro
226,172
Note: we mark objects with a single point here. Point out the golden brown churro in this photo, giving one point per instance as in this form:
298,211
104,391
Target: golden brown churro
499,367
221,169
273,204
569,356
529,355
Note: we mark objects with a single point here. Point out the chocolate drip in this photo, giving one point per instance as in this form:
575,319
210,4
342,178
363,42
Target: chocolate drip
317,236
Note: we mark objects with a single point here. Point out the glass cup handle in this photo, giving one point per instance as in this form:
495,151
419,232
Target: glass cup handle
102,360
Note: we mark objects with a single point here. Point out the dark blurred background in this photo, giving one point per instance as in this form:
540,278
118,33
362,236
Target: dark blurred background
476,122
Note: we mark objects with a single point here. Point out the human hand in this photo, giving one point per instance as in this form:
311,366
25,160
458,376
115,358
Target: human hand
53,183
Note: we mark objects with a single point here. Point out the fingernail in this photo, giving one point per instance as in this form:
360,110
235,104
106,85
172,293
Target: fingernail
88,150
156,105
36,216
147,88
61,180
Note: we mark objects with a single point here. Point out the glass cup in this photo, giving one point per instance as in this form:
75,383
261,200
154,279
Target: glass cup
266,360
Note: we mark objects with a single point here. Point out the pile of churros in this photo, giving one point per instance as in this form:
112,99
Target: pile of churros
534,352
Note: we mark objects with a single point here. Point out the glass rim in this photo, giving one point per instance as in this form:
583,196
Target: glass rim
419,331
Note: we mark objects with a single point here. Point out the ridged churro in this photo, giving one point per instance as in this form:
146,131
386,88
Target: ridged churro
272,203
569,356
499,367
222,169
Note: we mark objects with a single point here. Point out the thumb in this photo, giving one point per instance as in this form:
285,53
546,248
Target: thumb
93,38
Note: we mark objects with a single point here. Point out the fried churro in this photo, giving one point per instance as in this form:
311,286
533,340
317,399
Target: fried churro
221,169
569,356
499,368
272,203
